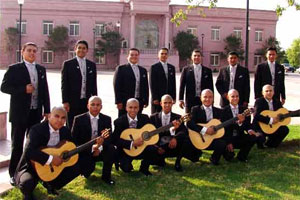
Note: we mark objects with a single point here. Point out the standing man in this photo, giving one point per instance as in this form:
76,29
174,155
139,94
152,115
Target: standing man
88,126
78,82
236,77
269,102
271,73
162,80
131,81
47,134
194,79
26,82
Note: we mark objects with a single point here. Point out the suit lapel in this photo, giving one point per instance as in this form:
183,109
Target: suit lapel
159,116
204,113
26,75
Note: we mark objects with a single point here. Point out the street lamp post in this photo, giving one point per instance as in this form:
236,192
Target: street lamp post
247,35
202,37
20,2
94,43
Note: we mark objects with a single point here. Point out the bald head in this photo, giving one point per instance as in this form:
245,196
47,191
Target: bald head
95,98
207,97
57,117
166,103
233,97
94,105
166,97
132,107
268,92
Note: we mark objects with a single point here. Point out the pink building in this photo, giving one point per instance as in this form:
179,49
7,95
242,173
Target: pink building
143,24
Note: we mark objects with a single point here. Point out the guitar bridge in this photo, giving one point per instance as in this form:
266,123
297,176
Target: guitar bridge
131,138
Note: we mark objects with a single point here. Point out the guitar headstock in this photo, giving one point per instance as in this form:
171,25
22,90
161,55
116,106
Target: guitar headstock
185,118
105,133
248,112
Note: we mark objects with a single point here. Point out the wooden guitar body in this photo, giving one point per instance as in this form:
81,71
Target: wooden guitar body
197,140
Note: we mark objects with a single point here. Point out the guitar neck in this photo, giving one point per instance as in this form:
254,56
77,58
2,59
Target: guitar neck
160,129
226,123
290,114
79,149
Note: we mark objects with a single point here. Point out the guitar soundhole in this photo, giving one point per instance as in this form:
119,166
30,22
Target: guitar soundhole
65,156
146,136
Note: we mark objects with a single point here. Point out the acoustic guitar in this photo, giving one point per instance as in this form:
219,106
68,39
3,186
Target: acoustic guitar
68,152
148,133
203,141
284,119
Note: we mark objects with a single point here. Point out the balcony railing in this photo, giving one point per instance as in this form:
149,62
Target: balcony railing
149,51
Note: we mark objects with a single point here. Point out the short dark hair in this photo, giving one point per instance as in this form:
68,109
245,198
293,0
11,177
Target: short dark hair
165,48
233,53
82,42
134,49
28,44
272,49
196,51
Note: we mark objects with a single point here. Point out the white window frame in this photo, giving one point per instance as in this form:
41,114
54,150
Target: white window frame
23,26
73,30
100,28
47,27
123,44
238,32
258,35
101,60
72,54
215,33
192,30
215,59
258,59
48,52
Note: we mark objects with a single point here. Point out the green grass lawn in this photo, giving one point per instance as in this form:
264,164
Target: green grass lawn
269,174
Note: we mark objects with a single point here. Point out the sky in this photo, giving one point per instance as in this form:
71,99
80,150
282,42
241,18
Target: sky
287,28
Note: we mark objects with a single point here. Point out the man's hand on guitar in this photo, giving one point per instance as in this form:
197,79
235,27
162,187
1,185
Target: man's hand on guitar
241,118
173,143
138,142
96,150
230,147
210,131
275,120
176,124
56,160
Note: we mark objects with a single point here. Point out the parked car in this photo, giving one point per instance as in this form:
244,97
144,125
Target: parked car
298,70
288,68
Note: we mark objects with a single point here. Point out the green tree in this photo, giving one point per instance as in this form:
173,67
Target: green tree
11,41
185,43
272,42
233,43
293,53
58,40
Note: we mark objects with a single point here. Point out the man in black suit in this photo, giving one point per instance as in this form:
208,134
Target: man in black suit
131,81
88,126
235,133
78,82
203,114
175,141
26,82
162,80
194,79
133,119
271,73
269,102
47,134
236,77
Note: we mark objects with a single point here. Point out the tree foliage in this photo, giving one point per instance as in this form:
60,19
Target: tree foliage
185,43
271,42
293,53
233,43
58,40
11,38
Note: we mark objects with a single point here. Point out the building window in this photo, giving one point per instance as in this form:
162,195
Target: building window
215,33
100,28
74,28
192,30
47,56
214,59
124,44
47,27
23,27
237,32
100,59
257,59
18,56
258,36
72,54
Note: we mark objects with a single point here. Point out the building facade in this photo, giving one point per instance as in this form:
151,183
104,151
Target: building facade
143,24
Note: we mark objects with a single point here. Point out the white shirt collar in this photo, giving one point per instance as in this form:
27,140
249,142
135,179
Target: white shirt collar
205,107
136,64
130,119
197,65
52,129
271,101
233,66
163,63
92,117
232,107
163,114
271,63
28,63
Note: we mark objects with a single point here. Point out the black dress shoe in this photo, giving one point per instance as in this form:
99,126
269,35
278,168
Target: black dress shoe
29,197
145,172
12,181
117,166
242,159
213,161
178,167
108,181
50,189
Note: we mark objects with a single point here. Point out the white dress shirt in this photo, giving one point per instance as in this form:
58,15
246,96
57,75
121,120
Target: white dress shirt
82,66
130,121
53,141
232,70
209,116
272,70
136,72
165,66
198,74
31,67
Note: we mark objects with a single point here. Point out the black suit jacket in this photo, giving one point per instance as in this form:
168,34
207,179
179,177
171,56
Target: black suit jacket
263,77
121,124
241,84
260,105
157,122
124,84
82,129
159,84
14,83
39,136
71,79
187,83
199,116
240,129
